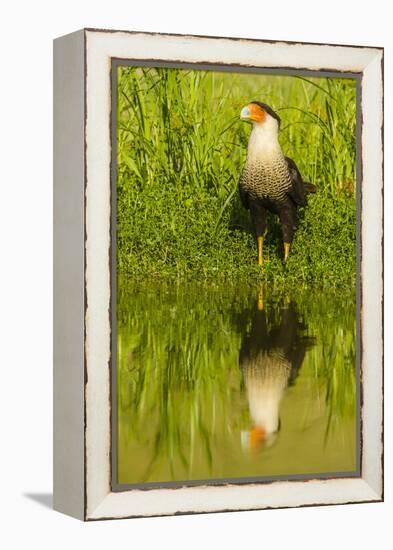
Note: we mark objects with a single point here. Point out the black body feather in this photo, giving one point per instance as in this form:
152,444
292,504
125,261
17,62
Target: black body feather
283,192
281,339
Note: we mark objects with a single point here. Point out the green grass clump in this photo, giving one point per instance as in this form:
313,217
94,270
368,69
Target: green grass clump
181,148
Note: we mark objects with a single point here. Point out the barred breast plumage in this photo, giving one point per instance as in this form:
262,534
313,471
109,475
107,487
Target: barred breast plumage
267,365
263,179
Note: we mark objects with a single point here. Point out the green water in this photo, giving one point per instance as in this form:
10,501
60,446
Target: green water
217,382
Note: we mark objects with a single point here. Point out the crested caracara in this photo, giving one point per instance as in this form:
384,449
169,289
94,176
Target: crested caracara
270,357
270,181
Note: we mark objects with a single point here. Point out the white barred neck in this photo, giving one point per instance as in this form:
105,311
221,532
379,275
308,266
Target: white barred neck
263,144
264,396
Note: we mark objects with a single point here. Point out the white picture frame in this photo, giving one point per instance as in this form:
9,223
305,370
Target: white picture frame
82,272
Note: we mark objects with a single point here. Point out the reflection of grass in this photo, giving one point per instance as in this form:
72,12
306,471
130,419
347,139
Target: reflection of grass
181,148
179,382
334,363
183,347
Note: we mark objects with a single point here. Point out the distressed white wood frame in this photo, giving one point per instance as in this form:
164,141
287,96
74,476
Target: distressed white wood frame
83,379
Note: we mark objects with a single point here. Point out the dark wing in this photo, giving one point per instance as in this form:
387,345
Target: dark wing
243,194
298,190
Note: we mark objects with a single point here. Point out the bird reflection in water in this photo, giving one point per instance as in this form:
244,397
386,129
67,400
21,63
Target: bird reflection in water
271,355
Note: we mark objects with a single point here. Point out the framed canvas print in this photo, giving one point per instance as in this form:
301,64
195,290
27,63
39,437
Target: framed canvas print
218,273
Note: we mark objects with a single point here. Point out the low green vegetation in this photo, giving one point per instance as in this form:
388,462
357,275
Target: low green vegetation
181,148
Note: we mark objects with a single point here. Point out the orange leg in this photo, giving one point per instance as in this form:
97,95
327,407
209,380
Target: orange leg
287,246
260,250
260,302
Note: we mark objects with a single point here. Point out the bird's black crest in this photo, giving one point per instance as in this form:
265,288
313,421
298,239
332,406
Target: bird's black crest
268,110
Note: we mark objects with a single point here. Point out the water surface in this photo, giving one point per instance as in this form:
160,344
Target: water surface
221,382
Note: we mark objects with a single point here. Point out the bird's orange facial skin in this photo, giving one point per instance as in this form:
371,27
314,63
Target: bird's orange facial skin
257,437
256,112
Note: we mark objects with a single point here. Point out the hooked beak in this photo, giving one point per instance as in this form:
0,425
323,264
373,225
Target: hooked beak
245,114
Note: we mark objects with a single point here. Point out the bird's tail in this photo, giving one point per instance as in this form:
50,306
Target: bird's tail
310,187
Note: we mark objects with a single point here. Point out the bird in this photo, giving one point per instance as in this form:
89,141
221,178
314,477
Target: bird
270,358
270,181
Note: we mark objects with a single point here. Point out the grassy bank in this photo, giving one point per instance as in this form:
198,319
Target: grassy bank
181,147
